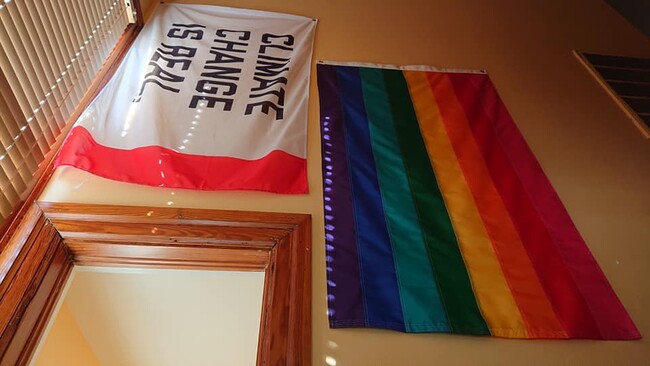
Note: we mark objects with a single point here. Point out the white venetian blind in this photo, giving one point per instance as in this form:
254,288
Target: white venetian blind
50,52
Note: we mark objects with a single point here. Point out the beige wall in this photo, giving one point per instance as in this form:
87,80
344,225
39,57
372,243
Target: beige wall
594,156
155,317
65,344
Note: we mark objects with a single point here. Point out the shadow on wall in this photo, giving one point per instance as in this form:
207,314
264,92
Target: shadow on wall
635,11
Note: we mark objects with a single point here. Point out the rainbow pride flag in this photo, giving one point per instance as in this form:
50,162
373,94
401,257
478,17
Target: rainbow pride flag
438,217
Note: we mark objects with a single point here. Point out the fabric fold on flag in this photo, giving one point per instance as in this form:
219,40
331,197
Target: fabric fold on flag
438,217
207,98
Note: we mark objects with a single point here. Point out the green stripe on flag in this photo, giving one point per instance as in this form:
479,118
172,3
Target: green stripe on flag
421,303
444,254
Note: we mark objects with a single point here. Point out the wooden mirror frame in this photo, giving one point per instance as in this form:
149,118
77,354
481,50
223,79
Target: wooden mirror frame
53,237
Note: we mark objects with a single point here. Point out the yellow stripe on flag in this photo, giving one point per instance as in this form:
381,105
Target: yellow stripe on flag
490,287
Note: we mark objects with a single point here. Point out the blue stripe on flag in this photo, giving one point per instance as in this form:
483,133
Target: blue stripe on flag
383,306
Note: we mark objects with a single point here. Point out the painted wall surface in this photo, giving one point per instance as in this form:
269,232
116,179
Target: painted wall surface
65,345
162,317
594,156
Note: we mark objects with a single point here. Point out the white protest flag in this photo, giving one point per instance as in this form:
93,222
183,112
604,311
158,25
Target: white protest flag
207,98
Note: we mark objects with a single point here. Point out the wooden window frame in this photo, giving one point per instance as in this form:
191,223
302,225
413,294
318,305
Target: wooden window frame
54,237
46,169
631,114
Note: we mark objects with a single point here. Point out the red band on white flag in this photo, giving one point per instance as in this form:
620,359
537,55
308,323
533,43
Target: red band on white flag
208,98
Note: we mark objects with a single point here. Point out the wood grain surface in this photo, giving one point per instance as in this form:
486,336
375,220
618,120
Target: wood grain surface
46,169
53,237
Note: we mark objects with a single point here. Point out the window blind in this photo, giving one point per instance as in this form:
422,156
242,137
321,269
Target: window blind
50,53
627,80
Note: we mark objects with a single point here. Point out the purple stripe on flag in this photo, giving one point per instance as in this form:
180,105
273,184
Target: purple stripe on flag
345,297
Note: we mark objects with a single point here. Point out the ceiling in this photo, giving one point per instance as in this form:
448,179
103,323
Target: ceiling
151,317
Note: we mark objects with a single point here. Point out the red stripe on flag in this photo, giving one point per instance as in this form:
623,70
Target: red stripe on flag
582,297
536,309
277,172
611,317
569,304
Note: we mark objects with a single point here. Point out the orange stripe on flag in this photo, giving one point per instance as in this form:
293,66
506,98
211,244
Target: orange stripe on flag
492,292
527,290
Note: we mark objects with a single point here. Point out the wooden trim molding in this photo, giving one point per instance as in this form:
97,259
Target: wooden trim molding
33,270
53,237
631,114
